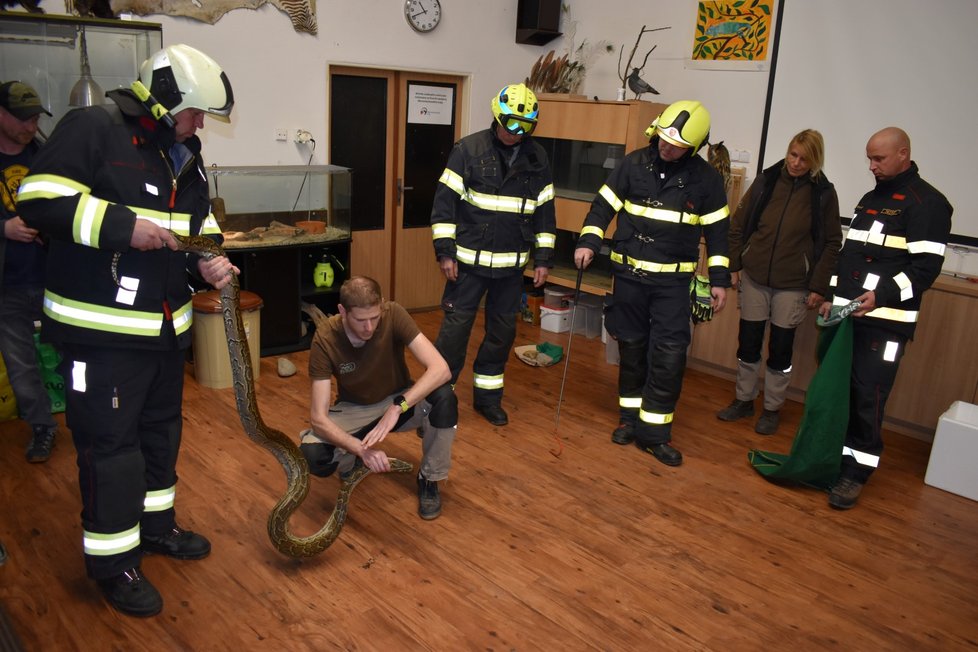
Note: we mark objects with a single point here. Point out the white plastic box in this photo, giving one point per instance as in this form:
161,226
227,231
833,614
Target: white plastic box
955,450
587,319
555,320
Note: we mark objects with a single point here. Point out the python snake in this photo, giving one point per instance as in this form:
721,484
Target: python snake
283,448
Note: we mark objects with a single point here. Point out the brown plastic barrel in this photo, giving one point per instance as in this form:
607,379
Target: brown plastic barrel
212,362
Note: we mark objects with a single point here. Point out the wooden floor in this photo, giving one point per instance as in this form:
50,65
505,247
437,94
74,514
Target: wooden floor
601,548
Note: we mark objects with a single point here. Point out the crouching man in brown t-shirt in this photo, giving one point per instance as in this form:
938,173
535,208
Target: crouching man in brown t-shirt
363,347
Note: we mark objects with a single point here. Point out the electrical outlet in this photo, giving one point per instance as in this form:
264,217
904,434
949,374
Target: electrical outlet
281,134
302,136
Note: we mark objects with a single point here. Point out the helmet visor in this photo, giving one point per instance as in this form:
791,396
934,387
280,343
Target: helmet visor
518,125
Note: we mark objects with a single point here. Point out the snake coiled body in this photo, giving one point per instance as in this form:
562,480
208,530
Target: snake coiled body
276,442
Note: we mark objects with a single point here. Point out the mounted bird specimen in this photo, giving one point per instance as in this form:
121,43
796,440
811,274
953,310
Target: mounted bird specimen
633,80
639,85
718,156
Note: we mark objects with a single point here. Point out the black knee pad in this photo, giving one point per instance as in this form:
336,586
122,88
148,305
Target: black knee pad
750,340
444,407
779,347
320,458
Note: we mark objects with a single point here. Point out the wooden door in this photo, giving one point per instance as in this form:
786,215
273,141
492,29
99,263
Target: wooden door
395,129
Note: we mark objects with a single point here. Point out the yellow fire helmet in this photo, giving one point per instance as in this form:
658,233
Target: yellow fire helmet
685,123
182,77
515,107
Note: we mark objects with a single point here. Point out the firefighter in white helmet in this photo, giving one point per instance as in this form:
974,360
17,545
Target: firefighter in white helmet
109,187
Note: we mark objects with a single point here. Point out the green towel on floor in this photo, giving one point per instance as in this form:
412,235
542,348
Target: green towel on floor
552,351
816,453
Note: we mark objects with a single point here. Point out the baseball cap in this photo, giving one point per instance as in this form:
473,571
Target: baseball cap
21,100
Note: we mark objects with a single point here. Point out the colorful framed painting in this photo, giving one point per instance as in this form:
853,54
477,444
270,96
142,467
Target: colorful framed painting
733,34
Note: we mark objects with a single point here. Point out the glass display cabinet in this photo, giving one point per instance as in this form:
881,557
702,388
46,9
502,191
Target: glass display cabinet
71,61
287,228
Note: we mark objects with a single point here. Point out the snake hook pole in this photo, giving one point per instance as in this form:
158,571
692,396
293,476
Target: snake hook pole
563,380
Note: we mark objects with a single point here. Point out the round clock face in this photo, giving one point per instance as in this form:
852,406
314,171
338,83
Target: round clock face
423,15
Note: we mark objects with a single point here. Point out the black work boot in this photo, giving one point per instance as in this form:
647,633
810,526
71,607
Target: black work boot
845,493
42,441
624,434
132,594
736,410
494,414
429,500
664,453
177,543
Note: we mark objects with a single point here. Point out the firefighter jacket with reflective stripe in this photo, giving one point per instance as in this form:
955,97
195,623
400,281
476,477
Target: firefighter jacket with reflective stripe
488,213
786,233
894,247
102,169
663,209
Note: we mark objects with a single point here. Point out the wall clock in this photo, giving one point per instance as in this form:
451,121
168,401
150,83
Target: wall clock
423,15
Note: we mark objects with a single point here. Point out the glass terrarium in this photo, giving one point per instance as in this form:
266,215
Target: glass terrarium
281,204
72,61
580,167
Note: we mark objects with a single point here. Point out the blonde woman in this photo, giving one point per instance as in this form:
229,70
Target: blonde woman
784,246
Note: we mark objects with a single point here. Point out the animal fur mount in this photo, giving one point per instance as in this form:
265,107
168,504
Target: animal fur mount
301,12
554,75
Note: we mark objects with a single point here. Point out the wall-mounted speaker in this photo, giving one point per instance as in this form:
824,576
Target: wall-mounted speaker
537,21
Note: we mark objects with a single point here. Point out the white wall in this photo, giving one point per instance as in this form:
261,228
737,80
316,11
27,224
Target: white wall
279,75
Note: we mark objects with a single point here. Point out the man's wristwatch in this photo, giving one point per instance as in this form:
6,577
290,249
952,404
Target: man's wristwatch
401,402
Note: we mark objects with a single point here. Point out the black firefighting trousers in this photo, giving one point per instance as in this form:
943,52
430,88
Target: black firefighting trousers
124,411
460,302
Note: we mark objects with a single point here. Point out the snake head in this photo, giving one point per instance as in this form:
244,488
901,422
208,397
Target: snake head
400,466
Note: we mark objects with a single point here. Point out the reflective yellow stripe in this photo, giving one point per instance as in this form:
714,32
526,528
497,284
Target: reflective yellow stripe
453,181
209,226
177,222
160,500
926,247
718,261
103,545
442,230
546,194
87,221
491,259
487,382
906,287
546,240
611,198
715,216
183,318
865,459
661,214
877,238
652,267
593,230
891,314
500,203
656,418
101,318
49,186
630,402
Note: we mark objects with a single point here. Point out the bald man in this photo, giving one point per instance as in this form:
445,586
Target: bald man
893,252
